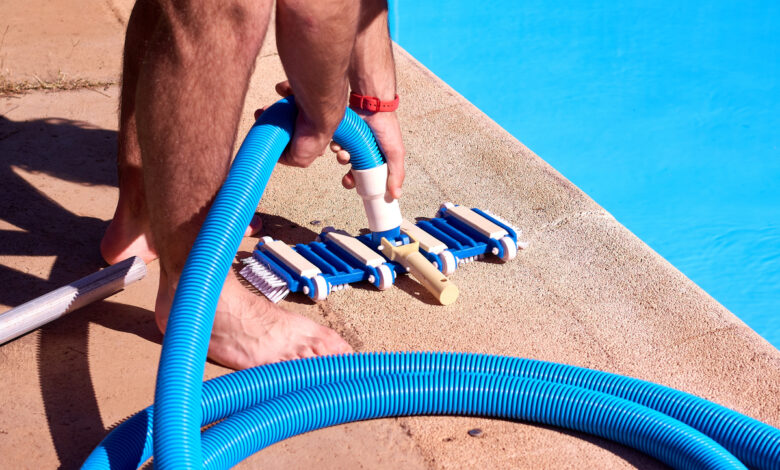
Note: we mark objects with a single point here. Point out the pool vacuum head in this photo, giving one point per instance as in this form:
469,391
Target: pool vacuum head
332,262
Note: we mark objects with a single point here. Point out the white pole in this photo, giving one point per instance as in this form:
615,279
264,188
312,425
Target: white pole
49,307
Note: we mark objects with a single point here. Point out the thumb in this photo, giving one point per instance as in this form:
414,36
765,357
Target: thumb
284,89
395,177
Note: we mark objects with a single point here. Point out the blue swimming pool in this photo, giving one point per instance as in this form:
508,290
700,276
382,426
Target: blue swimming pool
666,113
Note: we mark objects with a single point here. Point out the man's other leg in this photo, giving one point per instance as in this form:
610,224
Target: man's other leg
129,233
190,92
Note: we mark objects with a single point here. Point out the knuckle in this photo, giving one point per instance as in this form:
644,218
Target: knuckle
304,162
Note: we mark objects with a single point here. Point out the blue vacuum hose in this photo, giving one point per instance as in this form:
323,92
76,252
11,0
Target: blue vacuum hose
265,404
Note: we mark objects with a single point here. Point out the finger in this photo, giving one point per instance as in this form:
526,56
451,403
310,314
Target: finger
291,158
299,160
395,169
258,112
302,151
395,179
342,156
334,147
284,89
284,158
348,181
306,145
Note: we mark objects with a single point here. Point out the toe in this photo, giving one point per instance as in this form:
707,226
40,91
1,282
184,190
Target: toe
307,350
334,344
254,225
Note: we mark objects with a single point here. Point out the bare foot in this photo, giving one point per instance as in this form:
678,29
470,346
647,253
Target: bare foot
129,234
254,225
249,330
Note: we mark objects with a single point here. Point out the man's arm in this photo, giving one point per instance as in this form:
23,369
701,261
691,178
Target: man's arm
315,40
372,73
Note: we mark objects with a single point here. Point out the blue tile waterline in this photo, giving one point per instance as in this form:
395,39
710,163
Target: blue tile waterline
667,114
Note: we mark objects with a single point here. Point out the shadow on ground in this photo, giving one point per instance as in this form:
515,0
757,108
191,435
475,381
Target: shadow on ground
631,456
68,150
80,153
68,393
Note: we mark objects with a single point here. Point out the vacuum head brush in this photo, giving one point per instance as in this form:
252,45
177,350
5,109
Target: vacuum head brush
430,250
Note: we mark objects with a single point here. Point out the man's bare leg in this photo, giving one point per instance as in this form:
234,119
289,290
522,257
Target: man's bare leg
129,233
190,91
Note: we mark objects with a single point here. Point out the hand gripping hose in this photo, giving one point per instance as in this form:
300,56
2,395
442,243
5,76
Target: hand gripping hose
262,405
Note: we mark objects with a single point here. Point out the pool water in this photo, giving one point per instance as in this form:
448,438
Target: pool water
666,113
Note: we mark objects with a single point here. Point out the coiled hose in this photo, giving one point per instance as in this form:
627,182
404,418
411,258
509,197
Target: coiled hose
263,405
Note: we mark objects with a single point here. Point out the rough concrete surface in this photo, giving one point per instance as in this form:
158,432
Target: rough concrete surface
42,40
586,292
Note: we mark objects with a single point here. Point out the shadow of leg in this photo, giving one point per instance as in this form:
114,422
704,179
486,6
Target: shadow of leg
70,402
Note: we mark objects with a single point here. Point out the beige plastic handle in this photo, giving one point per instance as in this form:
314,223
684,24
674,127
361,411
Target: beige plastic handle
410,258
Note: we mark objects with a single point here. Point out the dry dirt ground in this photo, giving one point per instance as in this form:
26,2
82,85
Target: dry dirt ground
587,291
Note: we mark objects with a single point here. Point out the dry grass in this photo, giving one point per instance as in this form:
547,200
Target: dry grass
15,88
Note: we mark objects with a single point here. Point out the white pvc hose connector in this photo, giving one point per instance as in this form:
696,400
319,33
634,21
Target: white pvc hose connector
371,186
49,307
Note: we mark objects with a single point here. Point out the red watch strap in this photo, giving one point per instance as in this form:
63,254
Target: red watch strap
372,103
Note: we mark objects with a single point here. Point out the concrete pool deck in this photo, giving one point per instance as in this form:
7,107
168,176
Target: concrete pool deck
586,292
